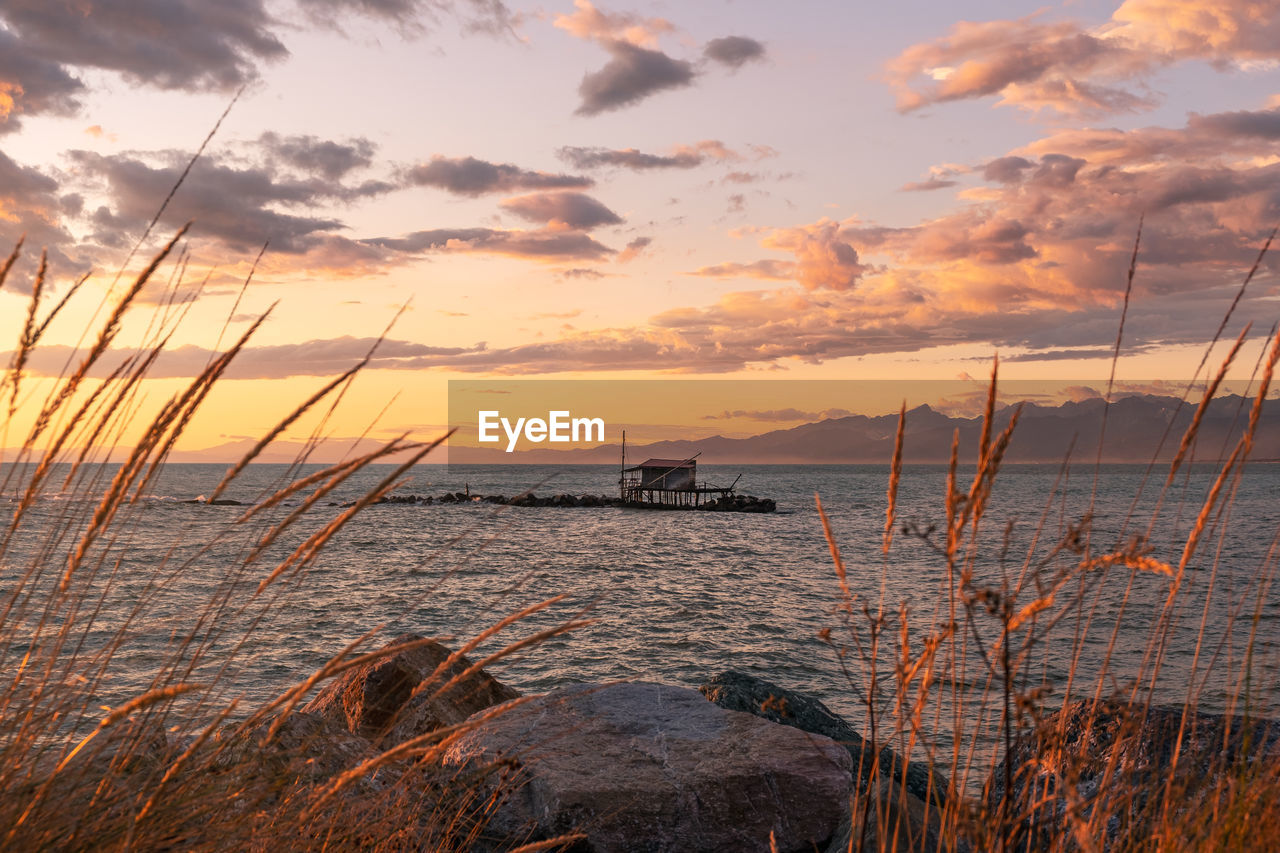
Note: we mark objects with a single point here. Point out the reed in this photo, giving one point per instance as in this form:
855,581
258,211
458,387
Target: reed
965,686
1103,756
177,762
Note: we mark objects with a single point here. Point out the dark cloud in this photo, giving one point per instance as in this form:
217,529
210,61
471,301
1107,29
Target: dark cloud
734,51
312,358
488,16
172,44
566,209
681,157
629,158
1066,355
469,176
632,75
934,183
540,245
634,249
1263,124
1006,170
323,157
31,206
190,45
580,272
32,84
1056,171
243,206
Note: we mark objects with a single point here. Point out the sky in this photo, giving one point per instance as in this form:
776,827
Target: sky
638,190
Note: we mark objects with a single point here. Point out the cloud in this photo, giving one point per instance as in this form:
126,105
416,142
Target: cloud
562,210
766,269
634,249
578,272
485,16
323,157
325,357
1006,170
940,177
1224,32
632,75
32,207
171,44
1070,69
824,260
734,51
933,183
243,206
187,45
681,157
538,245
588,22
32,84
468,176
1033,266
1066,355
1263,124
1030,64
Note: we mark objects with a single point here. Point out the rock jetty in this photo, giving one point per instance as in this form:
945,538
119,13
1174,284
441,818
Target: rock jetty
728,503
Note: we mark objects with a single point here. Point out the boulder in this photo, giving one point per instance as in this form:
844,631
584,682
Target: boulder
306,749
650,767
1118,758
738,691
394,698
898,821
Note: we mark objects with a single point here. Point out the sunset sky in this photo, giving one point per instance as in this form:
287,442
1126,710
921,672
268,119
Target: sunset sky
632,190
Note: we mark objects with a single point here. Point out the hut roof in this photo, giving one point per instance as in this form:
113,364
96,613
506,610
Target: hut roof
664,463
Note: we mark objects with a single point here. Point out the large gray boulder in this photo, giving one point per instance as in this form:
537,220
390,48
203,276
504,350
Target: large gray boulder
650,767
395,698
738,691
1116,760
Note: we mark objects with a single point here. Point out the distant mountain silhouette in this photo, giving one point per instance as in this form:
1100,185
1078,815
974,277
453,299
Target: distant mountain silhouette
1135,428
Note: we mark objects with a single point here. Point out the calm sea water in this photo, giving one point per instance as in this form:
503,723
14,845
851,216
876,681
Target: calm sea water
676,596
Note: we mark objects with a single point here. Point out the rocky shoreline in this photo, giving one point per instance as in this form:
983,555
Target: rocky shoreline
739,764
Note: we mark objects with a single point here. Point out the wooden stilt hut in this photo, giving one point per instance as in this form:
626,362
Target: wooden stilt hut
666,482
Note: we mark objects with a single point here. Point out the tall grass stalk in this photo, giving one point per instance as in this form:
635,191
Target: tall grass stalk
1042,647
93,760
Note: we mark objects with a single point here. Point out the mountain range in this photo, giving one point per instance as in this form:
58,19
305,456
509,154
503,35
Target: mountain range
1138,428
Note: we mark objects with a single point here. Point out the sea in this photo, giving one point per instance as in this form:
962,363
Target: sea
673,596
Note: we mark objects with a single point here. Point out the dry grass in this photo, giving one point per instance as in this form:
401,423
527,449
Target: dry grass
177,762
1105,756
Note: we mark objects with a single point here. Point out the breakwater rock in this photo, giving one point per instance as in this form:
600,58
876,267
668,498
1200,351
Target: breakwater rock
416,687
1115,762
639,766
417,747
727,503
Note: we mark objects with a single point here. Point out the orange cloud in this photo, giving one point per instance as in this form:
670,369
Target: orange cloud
1070,69
588,22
